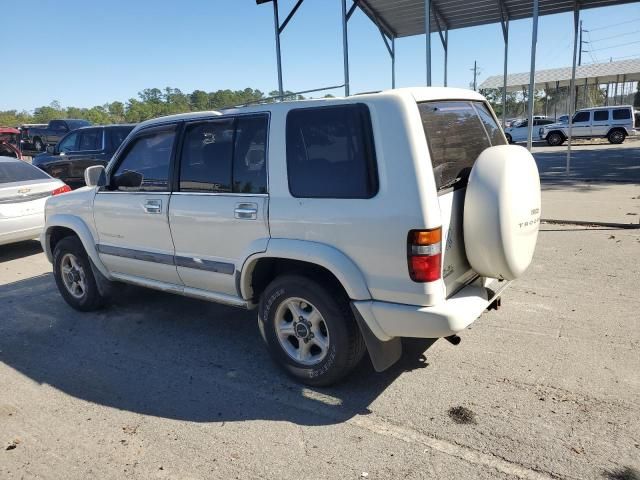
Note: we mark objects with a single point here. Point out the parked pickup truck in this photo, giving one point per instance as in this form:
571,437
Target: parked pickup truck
39,138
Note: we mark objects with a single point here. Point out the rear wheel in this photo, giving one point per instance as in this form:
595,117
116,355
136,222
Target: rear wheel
616,136
554,139
38,145
309,330
74,276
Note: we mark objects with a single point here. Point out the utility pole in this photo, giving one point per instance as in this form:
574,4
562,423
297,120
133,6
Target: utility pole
475,75
580,51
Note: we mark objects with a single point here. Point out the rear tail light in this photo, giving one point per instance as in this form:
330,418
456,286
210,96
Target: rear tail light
424,254
62,189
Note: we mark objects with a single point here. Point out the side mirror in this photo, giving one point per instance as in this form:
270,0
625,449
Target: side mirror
94,176
51,149
128,179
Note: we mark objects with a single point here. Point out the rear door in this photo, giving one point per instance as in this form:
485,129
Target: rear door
601,123
457,132
218,215
89,151
131,214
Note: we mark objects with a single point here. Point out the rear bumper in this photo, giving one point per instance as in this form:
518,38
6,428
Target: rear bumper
20,234
388,320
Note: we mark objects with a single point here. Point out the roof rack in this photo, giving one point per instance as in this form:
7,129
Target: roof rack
282,98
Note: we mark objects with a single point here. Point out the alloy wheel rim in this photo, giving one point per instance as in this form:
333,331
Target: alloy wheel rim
73,276
302,331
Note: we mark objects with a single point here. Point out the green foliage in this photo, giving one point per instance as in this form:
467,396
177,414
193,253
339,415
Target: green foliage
151,103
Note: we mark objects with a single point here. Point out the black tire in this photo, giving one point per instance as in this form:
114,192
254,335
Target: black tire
509,139
616,136
89,297
38,145
346,345
555,139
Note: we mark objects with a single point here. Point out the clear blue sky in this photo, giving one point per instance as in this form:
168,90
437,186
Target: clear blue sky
84,53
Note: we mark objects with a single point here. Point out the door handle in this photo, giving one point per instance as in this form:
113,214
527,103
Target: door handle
246,211
153,206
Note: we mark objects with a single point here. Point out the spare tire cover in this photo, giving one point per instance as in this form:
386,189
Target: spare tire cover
502,212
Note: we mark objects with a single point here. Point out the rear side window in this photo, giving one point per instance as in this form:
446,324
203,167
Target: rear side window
330,152
457,132
621,114
116,135
225,156
90,140
19,171
600,115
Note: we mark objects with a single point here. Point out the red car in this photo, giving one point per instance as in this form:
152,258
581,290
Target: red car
10,142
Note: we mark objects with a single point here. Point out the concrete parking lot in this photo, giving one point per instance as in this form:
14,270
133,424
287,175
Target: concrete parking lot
159,386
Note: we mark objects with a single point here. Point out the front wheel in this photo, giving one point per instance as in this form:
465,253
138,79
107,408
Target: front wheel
555,139
74,276
38,145
309,330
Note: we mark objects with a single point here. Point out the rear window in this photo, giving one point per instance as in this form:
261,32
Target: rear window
621,114
19,172
330,152
457,132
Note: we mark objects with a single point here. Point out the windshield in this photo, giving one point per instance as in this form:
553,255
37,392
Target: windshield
457,132
19,171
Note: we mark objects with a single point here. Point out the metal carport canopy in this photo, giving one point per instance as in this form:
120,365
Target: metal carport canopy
595,73
403,18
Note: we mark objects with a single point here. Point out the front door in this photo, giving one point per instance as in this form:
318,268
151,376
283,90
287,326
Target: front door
219,215
131,213
581,124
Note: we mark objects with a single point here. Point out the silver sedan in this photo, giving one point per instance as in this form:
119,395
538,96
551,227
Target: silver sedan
24,189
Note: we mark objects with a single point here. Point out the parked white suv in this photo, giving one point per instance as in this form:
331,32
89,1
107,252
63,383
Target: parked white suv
340,220
613,123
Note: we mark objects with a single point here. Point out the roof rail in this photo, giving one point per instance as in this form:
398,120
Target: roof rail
281,97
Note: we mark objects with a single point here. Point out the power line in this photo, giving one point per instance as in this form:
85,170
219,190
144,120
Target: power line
614,46
616,24
635,55
616,36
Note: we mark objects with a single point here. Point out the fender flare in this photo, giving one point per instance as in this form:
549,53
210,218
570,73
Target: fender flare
341,266
83,232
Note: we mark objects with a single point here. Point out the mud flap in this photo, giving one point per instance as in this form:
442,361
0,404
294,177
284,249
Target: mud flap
382,354
105,286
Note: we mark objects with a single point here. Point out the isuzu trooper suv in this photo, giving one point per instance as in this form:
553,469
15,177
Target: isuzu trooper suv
347,223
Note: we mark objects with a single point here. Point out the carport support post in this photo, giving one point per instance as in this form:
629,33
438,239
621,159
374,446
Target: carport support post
504,23
532,74
345,47
393,62
427,32
572,87
276,22
446,54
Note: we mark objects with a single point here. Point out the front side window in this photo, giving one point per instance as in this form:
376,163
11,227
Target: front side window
457,132
68,144
330,152
90,140
600,115
621,114
145,166
581,117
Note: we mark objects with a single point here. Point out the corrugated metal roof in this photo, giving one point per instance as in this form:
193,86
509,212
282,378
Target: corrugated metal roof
403,18
602,72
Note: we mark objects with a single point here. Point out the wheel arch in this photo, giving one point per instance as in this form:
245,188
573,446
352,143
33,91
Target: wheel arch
298,255
60,226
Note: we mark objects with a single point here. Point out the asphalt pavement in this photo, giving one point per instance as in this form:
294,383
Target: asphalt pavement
160,386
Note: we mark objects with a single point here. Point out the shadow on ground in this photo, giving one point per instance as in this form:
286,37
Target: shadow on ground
589,165
14,251
169,356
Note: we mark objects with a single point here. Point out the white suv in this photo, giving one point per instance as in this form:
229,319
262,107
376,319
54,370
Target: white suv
348,223
613,123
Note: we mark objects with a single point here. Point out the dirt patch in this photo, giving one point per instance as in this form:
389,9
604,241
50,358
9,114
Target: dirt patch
462,415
